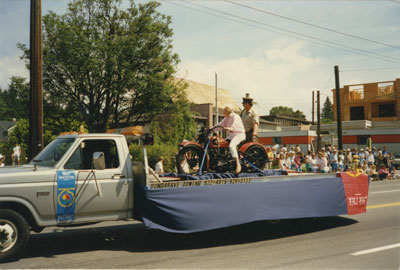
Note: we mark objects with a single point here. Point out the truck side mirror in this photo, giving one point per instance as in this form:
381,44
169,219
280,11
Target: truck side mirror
148,139
98,161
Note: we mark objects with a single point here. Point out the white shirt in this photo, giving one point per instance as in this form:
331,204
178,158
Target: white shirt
323,163
314,163
17,150
159,168
232,121
371,159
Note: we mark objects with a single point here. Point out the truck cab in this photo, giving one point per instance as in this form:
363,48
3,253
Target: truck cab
76,179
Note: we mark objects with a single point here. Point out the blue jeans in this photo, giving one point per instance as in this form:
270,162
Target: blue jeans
334,166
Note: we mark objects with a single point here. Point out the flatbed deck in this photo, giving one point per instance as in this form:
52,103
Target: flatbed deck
208,203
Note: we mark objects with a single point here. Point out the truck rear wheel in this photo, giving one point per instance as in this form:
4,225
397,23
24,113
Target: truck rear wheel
14,235
257,155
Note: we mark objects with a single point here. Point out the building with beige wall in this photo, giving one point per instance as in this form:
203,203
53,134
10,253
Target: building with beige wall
202,96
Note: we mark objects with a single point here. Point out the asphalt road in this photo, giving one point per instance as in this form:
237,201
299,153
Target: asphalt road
366,241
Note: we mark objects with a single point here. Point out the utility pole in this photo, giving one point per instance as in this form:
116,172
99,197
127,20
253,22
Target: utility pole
338,113
216,99
36,81
318,124
313,122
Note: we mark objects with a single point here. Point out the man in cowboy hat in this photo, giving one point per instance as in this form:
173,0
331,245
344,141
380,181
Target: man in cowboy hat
250,119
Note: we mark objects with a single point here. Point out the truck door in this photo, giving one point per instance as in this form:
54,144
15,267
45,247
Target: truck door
99,194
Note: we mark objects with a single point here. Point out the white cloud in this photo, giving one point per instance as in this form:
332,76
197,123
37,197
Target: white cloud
11,66
284,75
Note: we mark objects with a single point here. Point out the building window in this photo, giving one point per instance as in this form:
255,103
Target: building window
356,92
362,139
5,133
357,113
385,89
386,109
276,140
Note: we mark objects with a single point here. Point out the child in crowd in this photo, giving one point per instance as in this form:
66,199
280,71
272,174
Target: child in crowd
288,161
359,168
314,163
340,164
372,173
395,174
282,162
2,158
383,172
297,162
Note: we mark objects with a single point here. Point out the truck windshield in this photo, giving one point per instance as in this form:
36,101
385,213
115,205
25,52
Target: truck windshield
53,152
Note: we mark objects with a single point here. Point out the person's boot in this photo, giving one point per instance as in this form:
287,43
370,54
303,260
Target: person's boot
238,168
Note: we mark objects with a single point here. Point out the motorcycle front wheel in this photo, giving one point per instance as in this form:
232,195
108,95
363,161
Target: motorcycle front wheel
188,160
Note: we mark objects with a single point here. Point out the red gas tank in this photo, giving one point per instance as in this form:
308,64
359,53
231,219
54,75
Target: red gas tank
216,142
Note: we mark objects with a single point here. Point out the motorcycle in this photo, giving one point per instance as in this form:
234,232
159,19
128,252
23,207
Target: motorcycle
210,153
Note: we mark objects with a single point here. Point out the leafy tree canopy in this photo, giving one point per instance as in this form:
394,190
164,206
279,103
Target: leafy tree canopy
287,111
178,124
103,63
14,101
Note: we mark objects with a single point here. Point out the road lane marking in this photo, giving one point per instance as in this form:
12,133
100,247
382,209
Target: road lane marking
372,250
375,192
382,205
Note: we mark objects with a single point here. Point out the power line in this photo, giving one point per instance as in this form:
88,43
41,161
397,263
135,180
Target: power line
314,25
330,78
350,70
394,1
352,49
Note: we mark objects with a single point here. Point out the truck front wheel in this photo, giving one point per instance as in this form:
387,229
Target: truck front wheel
14,235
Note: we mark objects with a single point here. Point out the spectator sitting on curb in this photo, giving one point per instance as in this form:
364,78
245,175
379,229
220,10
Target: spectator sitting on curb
395,174
2,158
314,163
372,173
383,172
282,162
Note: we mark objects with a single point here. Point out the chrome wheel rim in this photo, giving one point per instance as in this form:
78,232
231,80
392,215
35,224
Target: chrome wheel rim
8,235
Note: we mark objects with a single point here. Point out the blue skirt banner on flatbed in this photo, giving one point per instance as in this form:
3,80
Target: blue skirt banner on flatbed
206,207
65,196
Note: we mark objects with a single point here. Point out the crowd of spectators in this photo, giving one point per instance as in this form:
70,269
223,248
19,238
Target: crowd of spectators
377,163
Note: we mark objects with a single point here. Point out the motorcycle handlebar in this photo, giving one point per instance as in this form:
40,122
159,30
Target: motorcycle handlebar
216,127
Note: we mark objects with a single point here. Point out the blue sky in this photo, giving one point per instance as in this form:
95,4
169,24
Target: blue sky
276,69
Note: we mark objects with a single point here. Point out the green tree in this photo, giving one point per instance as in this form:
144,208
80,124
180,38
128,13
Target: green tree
14,101
178,124
327,110
107,63
287,111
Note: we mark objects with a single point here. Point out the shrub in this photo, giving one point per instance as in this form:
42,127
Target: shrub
154,152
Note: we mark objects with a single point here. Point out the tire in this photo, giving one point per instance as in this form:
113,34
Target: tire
14,235
188,160
257,155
